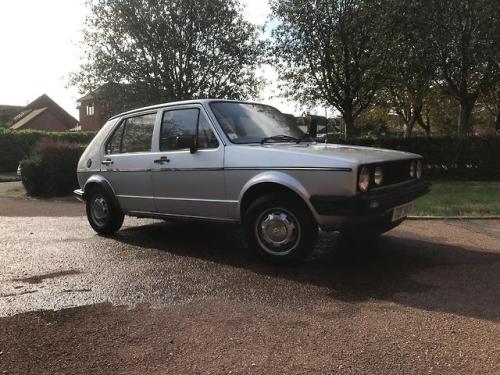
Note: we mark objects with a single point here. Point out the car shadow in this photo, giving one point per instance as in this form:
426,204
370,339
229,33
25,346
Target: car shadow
414,272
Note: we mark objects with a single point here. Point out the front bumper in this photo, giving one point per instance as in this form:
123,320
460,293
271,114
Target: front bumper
375,202
79,194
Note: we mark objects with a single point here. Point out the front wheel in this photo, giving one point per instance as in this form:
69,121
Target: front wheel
280,228
104,215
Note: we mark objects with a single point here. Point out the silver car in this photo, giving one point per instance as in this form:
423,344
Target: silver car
246,163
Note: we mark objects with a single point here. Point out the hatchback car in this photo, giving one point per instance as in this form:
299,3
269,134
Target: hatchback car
245,163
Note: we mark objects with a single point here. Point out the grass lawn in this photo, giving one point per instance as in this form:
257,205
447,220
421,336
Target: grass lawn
18,191
9,176
449,198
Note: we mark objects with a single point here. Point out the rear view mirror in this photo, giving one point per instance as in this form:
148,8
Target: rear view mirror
186,141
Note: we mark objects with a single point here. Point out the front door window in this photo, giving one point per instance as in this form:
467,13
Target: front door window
186,123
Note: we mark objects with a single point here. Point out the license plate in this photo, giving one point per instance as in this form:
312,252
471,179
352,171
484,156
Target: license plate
402,211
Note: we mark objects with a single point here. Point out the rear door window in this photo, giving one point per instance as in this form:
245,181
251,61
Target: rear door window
134,134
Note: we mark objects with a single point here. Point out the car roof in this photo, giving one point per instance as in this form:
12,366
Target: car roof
169,104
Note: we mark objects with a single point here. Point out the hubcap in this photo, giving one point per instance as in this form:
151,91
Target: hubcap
100,210
277,231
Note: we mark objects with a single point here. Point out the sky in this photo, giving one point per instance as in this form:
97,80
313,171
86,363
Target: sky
39,43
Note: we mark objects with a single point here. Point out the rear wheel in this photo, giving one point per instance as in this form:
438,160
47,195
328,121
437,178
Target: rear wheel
280,228
103,214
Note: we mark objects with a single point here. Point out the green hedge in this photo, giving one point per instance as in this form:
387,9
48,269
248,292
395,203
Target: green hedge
468,158
52,170
18,145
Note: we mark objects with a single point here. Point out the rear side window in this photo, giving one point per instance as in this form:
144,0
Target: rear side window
133,135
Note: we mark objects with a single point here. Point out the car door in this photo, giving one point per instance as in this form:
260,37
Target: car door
127,162
188,182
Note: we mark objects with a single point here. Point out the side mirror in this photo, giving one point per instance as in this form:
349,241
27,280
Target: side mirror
186,141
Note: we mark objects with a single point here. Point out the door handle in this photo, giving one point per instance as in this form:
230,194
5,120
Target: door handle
162,160
107,162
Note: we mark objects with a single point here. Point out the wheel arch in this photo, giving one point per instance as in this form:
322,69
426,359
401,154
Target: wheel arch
272,182
98,181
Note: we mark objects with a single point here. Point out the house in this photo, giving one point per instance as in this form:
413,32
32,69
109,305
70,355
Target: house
100,104
43,114
93,112
8,112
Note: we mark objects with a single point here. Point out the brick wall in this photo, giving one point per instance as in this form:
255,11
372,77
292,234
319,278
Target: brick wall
91,120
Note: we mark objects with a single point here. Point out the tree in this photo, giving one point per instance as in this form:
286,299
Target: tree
329,52
439,112
466,44
491,101
152,51
411,68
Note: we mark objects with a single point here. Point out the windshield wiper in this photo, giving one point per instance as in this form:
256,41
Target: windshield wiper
280,138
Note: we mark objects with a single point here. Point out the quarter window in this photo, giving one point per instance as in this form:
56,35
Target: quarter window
114,143
183,123
133,135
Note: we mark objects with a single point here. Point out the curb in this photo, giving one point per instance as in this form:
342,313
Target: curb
490,217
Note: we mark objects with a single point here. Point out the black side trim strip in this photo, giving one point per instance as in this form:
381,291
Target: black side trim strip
256,169
290,168
186,169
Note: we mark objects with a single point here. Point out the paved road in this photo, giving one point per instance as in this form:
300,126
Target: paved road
177,298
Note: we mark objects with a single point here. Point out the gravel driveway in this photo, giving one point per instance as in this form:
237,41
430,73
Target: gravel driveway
177,298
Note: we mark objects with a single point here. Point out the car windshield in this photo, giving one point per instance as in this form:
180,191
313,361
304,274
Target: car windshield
255,123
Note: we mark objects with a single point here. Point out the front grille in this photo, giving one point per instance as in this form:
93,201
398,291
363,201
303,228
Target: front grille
395,172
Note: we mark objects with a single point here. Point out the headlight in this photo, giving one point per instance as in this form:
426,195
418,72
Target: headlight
378,176
364,179
419,169
413,168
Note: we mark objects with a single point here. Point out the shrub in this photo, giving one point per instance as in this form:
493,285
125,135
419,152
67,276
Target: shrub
467,158
16,145
52,170
32,177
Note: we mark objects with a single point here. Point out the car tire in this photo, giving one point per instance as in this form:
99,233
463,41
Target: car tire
280,228
103,212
